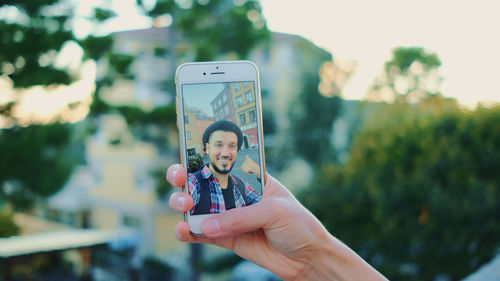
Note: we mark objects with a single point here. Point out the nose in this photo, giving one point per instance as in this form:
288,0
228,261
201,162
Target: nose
225,151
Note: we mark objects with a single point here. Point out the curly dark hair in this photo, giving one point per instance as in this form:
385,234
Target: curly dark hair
222,125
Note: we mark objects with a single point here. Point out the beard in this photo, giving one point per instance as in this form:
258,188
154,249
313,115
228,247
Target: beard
222,172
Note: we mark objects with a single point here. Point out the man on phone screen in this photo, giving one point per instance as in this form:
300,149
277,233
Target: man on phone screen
213,188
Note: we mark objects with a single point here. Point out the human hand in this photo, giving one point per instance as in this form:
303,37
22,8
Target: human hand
250,167
277,233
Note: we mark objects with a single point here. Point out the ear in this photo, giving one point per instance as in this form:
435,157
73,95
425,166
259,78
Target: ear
207,149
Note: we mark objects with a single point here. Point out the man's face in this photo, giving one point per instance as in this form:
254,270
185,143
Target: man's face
222,149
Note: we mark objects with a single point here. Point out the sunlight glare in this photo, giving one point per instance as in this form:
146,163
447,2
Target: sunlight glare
43,105
163,21
70,56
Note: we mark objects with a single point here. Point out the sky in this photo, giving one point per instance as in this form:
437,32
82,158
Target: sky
200,95
464,35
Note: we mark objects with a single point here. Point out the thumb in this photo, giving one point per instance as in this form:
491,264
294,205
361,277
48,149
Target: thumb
239,220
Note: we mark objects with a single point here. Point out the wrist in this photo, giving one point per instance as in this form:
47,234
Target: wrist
333,260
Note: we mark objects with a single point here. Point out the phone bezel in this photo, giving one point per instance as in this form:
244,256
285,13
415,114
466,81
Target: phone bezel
216,72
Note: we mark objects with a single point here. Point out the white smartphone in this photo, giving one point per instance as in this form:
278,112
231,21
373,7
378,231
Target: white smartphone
220,127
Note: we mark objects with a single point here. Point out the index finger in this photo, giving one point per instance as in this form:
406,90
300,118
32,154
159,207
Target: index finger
176,175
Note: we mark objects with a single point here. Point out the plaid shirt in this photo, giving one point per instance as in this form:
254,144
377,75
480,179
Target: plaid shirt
217,204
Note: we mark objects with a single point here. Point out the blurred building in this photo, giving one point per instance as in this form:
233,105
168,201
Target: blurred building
153,69
116,190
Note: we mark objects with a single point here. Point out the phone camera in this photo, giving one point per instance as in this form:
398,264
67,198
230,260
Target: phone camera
216,67
204,73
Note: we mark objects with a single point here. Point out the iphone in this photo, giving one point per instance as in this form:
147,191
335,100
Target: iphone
220,127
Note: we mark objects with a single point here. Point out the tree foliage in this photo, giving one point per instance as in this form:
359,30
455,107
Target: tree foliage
313,112
410,75
25,41
311,117
214,27
418,199
35,161
7,226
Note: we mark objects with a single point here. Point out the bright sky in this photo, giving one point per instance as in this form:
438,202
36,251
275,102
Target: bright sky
464,34
200,95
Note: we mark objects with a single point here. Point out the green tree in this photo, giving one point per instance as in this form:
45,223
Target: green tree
410,75
213,28
417,199
7,226
317,106
311,119
35,161
26,40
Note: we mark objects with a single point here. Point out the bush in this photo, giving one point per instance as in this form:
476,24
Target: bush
418,199
7,225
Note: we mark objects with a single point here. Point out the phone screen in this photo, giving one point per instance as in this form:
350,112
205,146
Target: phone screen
223,145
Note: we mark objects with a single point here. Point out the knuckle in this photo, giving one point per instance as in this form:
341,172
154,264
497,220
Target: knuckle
279,207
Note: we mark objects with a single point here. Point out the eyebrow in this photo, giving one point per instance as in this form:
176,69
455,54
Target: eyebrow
219,141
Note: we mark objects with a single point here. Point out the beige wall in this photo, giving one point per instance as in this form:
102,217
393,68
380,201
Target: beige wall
165,238
105,218
193,127
118,172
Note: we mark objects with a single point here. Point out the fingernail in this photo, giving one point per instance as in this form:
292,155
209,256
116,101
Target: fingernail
210,226
179,202
171,175
178,235
177,232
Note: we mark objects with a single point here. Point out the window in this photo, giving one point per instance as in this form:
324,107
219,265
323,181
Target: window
239,100
97,171
188,135
237,86
226,110
191,152
249,97
186,119
142,177
243,119
245,84
251,114
224,98
132,221
67,218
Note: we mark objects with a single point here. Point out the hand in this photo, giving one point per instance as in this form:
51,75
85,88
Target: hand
277,233
250,167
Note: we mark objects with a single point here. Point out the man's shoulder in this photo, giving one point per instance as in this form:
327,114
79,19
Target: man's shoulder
239,180
195,177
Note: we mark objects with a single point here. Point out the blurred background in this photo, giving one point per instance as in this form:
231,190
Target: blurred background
383,119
